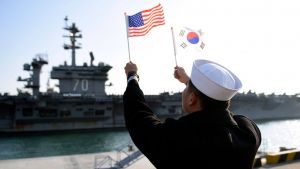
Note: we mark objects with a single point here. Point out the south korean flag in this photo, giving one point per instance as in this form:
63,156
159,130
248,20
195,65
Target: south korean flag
189,38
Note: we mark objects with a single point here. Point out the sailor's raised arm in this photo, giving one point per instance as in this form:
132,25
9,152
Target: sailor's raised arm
131,72
180,75
130,67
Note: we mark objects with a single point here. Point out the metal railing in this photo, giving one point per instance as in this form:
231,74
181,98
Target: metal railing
130,155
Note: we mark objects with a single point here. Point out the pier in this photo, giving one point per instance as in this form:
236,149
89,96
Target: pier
88,161
84,161
286,165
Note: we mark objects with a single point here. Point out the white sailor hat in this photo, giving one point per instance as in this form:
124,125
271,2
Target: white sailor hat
214,80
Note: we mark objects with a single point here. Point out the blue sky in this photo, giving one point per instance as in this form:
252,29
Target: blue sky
258,40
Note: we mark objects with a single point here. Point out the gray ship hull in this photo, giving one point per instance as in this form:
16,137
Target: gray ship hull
68,113
61,113
270,107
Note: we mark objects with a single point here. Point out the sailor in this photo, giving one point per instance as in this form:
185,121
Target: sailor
208,136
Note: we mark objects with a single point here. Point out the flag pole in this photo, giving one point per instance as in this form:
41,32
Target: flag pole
174,45
126,21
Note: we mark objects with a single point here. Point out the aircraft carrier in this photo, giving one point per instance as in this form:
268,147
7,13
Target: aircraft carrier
82,103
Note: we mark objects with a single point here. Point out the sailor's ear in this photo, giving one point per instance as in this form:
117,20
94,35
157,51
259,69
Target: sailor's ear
192,99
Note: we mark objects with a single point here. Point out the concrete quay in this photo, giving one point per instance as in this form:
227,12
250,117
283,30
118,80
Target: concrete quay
286,165
80,161
87,161
285,159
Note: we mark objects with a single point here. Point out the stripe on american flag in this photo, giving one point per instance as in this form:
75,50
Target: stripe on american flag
151,18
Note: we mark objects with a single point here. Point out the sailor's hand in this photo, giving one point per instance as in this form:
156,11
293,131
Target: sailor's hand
130,67
180,75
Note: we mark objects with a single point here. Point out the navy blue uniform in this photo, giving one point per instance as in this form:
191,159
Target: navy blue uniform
206,139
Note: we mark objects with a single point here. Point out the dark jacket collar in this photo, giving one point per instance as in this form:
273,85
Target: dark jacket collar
215,117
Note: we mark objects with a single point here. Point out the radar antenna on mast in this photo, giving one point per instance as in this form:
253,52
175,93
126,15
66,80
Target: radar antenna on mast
66,21
73,30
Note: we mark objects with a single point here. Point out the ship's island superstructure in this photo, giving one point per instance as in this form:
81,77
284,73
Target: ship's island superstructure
82,102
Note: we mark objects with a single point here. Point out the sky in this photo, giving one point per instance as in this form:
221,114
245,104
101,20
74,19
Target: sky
258,40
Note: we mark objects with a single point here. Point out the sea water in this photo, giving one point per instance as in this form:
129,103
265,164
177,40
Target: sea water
281,133
37,145
275,134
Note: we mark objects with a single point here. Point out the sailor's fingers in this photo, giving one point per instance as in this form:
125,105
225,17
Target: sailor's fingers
180,75
130,67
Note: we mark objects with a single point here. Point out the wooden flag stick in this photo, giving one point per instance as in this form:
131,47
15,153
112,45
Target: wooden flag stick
174,45
126,20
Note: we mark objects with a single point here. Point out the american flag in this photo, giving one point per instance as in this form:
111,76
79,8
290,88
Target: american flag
142,22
